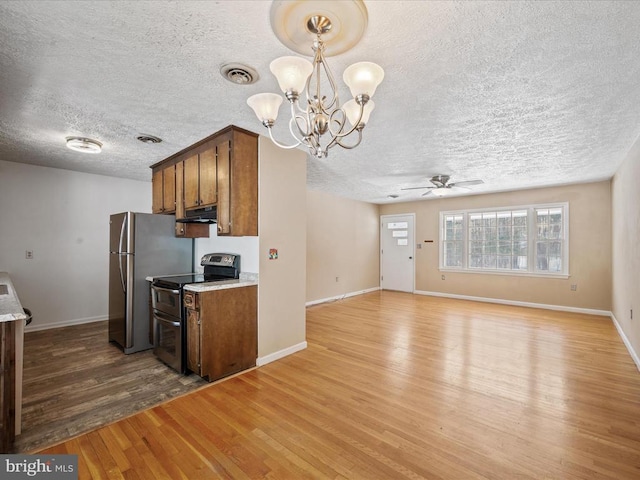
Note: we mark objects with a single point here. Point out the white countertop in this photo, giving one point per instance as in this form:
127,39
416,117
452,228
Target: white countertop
246,279
219,285
10,307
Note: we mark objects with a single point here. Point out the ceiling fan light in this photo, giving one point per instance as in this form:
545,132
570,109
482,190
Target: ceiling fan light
265,105
440,192
363,78
291,73
84,145
352,111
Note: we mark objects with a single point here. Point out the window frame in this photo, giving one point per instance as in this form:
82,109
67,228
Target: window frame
532,267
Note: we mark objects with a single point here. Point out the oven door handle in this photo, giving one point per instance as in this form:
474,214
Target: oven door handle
162,289
166,320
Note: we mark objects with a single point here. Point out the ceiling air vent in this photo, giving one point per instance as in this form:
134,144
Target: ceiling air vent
239,74
148,138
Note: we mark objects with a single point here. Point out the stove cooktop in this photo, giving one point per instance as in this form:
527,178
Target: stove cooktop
177,281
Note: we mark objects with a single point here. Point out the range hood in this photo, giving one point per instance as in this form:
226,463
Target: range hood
200,215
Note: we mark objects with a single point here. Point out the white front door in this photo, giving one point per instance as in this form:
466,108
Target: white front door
397,252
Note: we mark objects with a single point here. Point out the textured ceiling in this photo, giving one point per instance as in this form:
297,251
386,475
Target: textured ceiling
519,94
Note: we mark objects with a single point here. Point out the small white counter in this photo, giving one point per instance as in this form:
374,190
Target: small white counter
11,311
219,285
10,307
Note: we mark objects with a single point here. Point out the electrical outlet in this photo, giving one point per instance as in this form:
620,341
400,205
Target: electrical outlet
337,279
574,287
29,255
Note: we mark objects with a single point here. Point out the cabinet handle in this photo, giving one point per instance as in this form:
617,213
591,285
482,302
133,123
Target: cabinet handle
219,228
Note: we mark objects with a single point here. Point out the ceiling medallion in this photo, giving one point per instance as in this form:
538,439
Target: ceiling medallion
319,121
84,145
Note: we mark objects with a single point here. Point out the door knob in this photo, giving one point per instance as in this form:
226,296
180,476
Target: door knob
410,258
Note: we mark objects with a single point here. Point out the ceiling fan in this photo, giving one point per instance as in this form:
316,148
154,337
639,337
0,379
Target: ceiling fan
442,187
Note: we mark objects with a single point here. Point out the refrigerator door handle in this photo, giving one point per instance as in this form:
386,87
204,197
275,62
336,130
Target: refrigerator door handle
124,287
124,223
129,295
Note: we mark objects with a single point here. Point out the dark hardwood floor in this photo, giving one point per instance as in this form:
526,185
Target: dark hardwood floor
75,381
395,385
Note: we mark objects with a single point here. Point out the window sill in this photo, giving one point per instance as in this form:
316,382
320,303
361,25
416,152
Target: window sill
508,273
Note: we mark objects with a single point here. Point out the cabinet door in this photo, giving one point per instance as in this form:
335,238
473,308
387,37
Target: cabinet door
169,189
244,185
193,341
207,178
228,329
191,181
157,200
180,198
224,187
187,230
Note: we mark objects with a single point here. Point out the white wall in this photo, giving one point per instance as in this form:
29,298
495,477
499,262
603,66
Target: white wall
589,249
626,251
343,242
282,225
63,217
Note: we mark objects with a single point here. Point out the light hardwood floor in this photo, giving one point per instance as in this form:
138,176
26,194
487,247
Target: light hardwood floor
394,385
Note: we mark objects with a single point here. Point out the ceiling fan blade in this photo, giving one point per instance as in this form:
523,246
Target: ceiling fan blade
457,188
426,193
466,183
415,188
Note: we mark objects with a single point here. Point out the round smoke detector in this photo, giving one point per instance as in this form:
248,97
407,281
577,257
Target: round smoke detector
239,74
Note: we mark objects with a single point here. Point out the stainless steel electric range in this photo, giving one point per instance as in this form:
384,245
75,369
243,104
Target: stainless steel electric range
169,314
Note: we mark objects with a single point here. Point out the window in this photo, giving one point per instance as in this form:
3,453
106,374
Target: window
532,239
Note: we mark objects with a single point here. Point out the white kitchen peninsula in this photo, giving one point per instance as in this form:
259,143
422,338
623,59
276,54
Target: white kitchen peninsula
11,352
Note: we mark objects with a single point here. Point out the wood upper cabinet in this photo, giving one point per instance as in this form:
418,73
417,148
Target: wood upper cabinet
200,186
223,152
222,334
187,230
220,171
237,154
164,190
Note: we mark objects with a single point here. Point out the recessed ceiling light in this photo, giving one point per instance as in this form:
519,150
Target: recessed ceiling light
144,138
83,144
239,74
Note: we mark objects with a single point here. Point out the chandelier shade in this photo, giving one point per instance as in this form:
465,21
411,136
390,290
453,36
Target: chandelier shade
266,106
318,119
352,111
291,72
363,78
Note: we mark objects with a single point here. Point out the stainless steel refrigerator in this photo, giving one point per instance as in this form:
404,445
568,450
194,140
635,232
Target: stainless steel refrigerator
140,245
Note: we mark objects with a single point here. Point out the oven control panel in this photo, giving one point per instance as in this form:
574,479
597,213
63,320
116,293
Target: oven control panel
219,259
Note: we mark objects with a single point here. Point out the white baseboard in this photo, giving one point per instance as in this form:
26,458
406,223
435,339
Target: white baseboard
34,327
562,308
626,341
341,297
272,357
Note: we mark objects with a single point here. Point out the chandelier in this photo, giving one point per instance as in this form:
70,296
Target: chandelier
318,119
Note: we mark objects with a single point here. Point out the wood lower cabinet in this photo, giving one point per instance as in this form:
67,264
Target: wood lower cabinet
222,333
220,171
